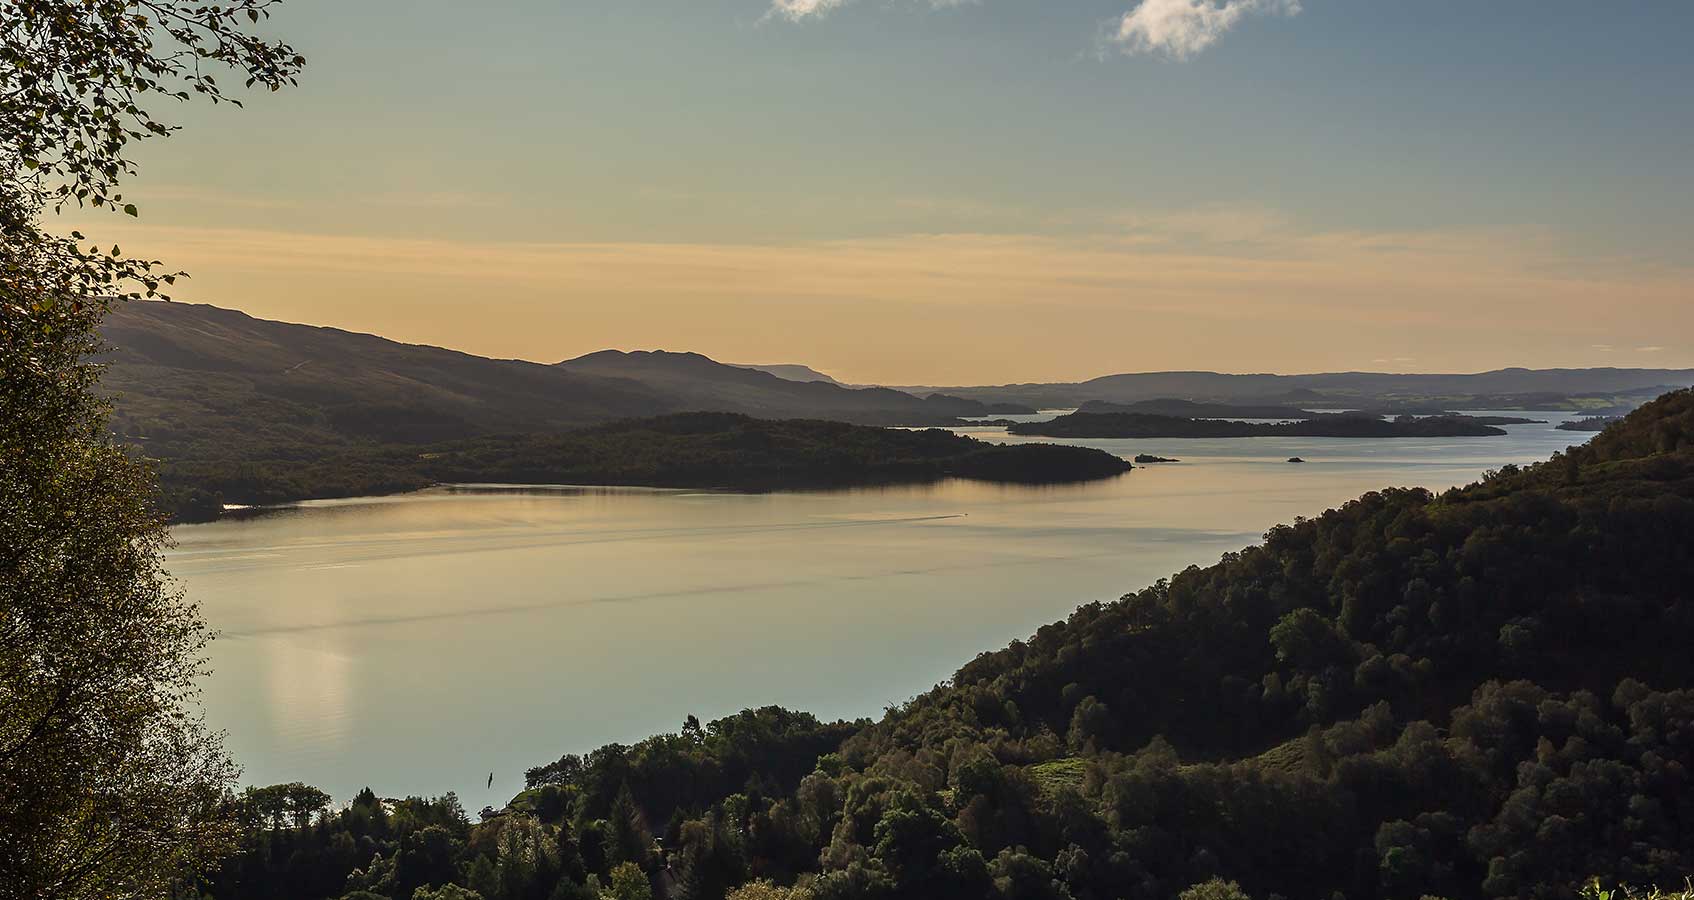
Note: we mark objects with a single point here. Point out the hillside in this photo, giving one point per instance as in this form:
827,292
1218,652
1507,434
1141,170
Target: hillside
196,381
189,375
790,372
701,383
1485,693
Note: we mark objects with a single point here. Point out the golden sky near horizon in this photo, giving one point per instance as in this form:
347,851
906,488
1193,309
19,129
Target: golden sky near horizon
970,308
957,193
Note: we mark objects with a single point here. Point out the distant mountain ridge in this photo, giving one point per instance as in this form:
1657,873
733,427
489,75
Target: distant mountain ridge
702,383
791,372
1510,388
180,369
191,373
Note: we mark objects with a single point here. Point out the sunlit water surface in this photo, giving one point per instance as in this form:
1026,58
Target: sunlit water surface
417,643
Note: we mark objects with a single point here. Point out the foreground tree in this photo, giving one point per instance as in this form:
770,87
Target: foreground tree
110,785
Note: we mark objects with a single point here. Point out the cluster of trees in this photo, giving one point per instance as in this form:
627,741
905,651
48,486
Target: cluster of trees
722,450
110,784
1477,694
1588,423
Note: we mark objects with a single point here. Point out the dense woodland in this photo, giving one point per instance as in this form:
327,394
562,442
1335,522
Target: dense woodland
701,450
1482,693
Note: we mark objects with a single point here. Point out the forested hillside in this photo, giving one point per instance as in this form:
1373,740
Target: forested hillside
1482,693
697,450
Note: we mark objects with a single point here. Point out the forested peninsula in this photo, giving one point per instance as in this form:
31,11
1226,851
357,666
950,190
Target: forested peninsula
1145,425
1478,694
696,450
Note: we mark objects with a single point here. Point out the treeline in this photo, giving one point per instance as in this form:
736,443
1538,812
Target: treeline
703,450
1483,693
1590,423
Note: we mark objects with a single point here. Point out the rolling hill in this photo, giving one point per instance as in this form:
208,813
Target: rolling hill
698,382
186,373
790,371
189,377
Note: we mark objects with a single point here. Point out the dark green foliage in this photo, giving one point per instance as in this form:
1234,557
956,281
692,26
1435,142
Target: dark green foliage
769,749
109,782
703,450
294,847
1590,423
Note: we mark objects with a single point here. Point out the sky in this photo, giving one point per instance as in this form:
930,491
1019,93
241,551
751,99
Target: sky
958,191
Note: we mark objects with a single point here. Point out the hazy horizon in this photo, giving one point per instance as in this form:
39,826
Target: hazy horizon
636,348
918,192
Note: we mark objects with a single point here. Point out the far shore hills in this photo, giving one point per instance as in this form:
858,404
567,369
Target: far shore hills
240,410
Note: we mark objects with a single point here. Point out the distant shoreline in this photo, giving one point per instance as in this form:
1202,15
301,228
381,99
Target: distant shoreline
1144,425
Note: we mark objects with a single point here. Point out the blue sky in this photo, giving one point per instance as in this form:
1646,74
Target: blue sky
1279,191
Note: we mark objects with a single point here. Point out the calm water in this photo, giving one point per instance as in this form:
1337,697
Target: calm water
416,643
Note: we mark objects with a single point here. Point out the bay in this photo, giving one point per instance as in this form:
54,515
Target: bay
418,643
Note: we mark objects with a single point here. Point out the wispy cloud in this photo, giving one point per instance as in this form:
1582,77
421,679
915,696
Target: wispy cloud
1181,28
1649,349
796,10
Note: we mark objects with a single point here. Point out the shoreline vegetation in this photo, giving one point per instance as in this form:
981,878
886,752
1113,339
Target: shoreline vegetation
1476,694
1590,423
1148,425
724,451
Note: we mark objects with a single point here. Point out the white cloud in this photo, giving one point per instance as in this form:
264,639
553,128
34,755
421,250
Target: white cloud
1649,349
795,10
1175,28
1181,28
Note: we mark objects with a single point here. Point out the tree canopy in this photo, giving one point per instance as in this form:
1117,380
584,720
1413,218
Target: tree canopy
110,785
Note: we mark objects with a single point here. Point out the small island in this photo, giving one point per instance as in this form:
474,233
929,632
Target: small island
1591,423
693,450
1145,458
1295,459
1142,425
